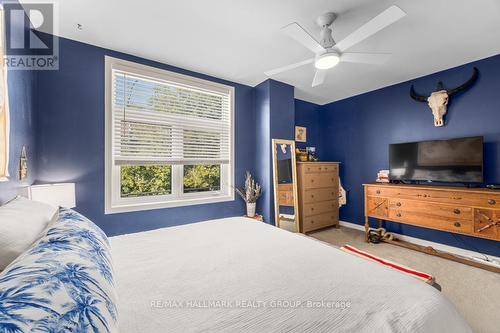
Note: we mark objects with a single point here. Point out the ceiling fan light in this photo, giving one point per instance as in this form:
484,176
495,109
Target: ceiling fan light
327,60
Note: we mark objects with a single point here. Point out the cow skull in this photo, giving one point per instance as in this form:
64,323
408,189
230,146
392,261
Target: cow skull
438,100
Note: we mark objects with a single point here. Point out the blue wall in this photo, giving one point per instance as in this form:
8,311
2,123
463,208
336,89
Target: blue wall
71,139
263,164
275,119
22,99
357,131
307,115
282,127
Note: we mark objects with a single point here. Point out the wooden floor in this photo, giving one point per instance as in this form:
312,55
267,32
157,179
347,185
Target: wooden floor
475,292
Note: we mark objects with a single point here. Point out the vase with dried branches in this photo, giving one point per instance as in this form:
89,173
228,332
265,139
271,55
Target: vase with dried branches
250,193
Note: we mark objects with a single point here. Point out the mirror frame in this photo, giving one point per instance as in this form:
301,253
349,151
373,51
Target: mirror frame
291,143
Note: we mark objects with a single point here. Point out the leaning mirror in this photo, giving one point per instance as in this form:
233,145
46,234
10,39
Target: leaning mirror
285,185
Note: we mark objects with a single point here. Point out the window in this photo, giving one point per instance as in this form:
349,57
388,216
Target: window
4,108
169,139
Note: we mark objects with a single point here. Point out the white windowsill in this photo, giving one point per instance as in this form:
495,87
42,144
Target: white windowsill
134,207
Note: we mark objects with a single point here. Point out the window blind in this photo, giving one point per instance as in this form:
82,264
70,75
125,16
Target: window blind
164,122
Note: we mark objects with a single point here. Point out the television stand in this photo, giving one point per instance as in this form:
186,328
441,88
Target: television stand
468,211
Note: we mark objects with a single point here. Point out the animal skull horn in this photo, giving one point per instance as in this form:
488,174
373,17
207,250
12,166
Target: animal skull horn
438,100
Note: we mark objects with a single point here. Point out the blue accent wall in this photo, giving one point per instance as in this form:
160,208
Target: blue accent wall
263,164
282,111
22,105
275,119
357,131
71,139
307,115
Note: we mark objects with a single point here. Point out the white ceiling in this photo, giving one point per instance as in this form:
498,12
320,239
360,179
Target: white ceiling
240,39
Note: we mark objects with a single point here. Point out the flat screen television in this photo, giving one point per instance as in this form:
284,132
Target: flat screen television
453,161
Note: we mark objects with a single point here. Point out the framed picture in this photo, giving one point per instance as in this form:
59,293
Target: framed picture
300,134
23,165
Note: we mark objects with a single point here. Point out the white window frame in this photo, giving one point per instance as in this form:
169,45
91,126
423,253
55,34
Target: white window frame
114,203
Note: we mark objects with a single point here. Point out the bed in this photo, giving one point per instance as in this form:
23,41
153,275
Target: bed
239,275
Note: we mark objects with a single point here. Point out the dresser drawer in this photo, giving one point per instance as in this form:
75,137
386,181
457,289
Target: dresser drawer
311,223
484,218
430,220
320,207
378,191
320,194
319,180
450,211
486,199
318,168
377,207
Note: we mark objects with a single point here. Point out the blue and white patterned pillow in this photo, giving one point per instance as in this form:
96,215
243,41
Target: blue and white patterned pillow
64,283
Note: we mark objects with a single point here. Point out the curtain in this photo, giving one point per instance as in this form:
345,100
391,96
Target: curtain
4,106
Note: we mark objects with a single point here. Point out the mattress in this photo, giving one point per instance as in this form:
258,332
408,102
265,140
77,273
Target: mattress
240,275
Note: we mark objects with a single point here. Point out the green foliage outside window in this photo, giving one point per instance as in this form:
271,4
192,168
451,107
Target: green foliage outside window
201,178
146,180
150,180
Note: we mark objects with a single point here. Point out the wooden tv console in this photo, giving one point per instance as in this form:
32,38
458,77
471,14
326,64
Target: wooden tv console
469,211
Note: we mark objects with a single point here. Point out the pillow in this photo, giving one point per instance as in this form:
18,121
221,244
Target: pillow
63,283
22,222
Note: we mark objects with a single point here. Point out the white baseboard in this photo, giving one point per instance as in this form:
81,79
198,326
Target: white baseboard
437,246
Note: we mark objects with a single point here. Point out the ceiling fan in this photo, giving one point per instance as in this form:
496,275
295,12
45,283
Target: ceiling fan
329,53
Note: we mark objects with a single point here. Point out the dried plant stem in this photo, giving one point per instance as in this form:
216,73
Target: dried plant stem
251,191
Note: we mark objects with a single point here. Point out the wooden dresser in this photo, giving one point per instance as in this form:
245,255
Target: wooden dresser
472,212
318,188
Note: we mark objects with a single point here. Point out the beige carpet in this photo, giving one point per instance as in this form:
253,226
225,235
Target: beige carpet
475,292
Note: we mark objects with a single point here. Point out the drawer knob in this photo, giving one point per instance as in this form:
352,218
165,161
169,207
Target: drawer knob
456,211
312,195
398,214
457,224
312,221
378,191
319,168
312,208
492,202
398,204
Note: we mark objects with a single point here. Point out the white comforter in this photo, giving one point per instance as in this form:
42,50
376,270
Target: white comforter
239,275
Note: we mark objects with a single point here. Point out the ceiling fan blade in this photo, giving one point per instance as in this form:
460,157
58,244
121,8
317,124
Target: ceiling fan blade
319,77
288,67
365,58
298,33
379,22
